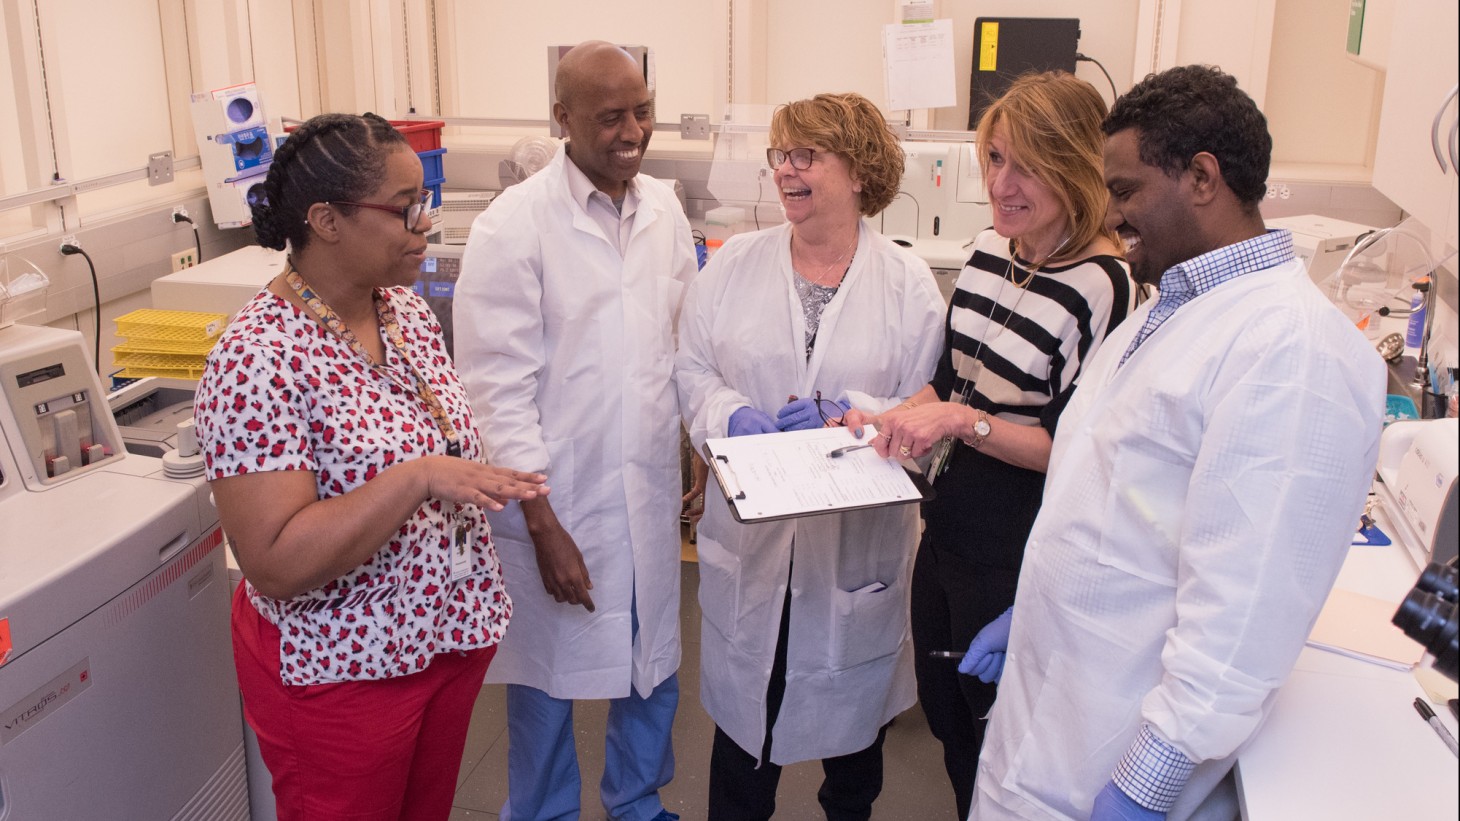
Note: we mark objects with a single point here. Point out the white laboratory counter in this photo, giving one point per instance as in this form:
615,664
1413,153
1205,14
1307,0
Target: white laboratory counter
1343,739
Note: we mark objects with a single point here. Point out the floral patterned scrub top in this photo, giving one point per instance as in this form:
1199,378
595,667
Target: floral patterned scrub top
281,392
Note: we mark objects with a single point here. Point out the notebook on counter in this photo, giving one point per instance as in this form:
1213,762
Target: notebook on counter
1359,626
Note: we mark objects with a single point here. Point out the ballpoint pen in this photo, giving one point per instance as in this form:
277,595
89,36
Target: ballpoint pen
1431,719
945,654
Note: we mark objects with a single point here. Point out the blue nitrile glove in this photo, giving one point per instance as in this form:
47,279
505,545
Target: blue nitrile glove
1112,804
802,414
748,420
985,656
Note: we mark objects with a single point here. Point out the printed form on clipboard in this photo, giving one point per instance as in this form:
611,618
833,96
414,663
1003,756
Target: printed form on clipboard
772,476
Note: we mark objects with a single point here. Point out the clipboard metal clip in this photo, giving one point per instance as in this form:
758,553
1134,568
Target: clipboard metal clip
728,473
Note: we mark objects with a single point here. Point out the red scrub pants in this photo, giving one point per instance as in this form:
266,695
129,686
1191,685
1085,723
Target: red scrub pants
363,751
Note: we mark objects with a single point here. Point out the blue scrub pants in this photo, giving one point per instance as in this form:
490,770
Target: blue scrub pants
543,783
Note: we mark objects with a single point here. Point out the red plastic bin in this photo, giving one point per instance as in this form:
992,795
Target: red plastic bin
423,135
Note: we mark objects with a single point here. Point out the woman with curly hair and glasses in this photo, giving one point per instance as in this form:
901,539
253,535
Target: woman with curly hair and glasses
805,646
347,469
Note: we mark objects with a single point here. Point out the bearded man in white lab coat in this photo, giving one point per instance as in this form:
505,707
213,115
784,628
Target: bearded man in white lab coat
564,312
1203,488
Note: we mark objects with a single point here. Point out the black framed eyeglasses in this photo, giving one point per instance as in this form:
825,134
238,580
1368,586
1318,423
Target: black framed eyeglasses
410,213
800,157
828,421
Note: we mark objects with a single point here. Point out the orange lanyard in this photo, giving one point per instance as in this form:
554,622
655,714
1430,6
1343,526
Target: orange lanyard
391,325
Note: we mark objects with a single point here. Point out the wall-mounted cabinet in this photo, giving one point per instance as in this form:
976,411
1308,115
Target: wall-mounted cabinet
1418,95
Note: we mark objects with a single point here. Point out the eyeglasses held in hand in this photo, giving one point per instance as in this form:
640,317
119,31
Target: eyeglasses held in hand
828,421
800,157
410,213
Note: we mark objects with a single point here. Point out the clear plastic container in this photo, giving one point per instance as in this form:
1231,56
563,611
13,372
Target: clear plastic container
22,293
724,222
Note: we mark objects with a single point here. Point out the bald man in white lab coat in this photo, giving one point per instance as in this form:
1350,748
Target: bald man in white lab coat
565,314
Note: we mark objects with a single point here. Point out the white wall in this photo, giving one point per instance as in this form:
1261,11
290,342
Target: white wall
1322,107
500,51
107,84
815,47
12,165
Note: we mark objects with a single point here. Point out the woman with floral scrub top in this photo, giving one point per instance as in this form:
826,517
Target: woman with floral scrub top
346,466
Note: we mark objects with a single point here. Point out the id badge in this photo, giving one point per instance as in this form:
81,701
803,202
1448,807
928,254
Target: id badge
461,552
939,463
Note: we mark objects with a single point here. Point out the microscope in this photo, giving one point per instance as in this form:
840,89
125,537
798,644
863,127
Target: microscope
1430,615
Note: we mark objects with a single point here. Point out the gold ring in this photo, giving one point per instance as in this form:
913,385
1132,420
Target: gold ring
905,450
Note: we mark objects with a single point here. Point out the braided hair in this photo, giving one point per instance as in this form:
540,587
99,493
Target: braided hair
330,157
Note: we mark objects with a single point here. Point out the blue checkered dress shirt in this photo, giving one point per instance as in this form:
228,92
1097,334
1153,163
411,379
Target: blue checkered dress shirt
1194,277
1153,772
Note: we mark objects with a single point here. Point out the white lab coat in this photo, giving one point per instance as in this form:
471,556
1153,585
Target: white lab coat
567,350
1200,502
742,342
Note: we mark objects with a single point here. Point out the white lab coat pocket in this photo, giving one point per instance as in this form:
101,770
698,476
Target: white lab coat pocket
671,295
1043,770
870,623
1145,505
719,585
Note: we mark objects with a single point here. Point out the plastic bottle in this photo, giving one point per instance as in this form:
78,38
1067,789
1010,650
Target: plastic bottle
1414,333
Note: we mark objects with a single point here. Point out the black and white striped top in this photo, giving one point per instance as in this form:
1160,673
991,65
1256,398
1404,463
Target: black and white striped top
1032,342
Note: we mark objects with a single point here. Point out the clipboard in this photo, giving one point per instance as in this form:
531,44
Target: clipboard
774,476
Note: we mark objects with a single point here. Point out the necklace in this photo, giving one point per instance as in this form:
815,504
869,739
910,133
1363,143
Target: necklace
830,269
971,367
1033,269
388,320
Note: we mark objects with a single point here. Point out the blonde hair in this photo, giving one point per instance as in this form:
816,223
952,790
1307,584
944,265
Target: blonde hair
851,126
1051,123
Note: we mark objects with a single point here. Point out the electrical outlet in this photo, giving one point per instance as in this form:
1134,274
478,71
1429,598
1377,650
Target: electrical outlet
70,239
694,126
159,168
184,259
179,211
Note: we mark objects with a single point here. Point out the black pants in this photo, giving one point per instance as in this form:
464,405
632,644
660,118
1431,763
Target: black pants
739,791
952,599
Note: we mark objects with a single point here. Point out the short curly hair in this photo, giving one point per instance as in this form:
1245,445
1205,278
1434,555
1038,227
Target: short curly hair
851,126
1051,122
1187,110
330,157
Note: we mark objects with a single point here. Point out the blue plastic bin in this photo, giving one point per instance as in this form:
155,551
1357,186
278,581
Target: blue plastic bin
435,186
431,163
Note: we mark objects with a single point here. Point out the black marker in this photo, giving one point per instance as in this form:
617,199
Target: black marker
1431,719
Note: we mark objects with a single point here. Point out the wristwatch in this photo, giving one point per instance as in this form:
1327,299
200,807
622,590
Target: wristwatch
981,430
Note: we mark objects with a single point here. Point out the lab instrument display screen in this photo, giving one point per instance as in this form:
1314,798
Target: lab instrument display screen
437,284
